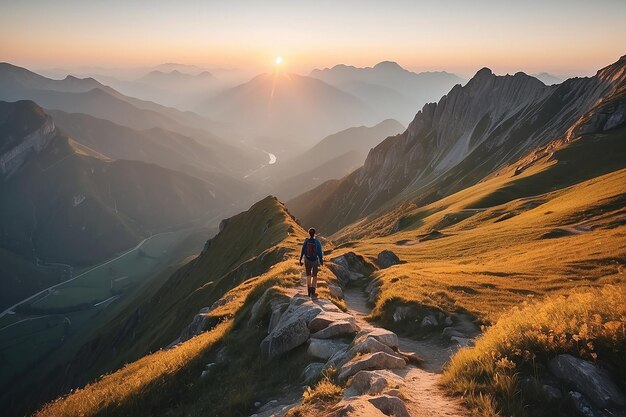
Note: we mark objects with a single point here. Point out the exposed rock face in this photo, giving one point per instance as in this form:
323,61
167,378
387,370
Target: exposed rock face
374,382
587,378
337,329
350,267
390,406
292,329
491,121
370,361
24,137
387,258
325,348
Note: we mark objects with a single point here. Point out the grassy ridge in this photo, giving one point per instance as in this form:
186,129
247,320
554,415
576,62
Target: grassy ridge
590,324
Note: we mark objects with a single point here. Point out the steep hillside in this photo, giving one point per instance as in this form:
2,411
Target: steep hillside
333,157
474,130
253,251
388,86
156,145
290,107
56,191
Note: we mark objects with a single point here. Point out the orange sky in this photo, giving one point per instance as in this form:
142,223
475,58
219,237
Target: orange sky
563,37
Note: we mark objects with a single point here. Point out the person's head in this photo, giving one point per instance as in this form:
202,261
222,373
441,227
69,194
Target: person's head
312,232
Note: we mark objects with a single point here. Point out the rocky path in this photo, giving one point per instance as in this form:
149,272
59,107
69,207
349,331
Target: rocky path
421,393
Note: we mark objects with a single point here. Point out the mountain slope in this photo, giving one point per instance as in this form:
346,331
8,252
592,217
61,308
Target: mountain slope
333,157
489,123
57,190
388,86
290,107
156,145
249,254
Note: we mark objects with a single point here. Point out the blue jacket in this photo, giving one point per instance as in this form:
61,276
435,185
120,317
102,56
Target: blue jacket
319,254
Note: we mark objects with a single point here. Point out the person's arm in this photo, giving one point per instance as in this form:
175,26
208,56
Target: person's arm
302,251
320,252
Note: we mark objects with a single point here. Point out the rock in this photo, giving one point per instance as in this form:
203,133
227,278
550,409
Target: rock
429,321
292,330
462,341
587,378
369,345
200,322
387,258
312,371
328,305
552,394
448,332
374,382
207,370
370,361
404,313
384,336
257,404
335,291
325,348
579,404
448,321
350,267
411,358
277,312
391,406
357,407
338,359
271,296
324,319
337,329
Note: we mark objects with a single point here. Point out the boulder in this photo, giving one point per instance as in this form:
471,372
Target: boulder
429,321
374,382
292,329
337,329
357,407
338,359
271,296
387,258
312,372
411,358
553,394
327,305
595,383
580,406
370,361
335,291
384,336
324,319
448,332
369,345
277,312
462,341
404,312
391,406
207,370
325,348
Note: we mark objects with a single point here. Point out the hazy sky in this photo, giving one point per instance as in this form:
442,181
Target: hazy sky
569,37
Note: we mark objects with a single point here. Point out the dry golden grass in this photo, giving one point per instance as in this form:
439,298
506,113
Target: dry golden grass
485,265
589,323
136,380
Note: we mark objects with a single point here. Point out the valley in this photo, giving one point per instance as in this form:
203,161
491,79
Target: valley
170,174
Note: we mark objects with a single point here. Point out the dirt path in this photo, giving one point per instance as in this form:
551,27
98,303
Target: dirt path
424,397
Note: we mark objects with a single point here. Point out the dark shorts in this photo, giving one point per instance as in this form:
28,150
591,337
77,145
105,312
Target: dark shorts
311,266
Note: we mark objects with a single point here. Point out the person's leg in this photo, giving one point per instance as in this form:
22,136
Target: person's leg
314,279
309,277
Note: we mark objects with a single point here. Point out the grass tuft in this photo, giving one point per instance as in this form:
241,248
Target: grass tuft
589,324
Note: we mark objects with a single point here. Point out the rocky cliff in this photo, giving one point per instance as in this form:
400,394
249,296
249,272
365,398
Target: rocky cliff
490,122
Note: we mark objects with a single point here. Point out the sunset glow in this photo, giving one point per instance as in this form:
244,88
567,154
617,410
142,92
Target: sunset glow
531,36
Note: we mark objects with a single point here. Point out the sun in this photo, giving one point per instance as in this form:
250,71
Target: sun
278,60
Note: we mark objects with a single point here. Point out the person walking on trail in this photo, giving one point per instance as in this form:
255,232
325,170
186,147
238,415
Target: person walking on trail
313,259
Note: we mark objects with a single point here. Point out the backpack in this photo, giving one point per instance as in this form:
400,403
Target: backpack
311,249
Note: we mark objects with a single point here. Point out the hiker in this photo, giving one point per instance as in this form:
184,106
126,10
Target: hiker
312,252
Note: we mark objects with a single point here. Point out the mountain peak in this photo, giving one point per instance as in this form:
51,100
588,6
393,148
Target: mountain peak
390,65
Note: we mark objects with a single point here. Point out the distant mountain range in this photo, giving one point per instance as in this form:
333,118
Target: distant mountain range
294,108
472,131
388,86
55,189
